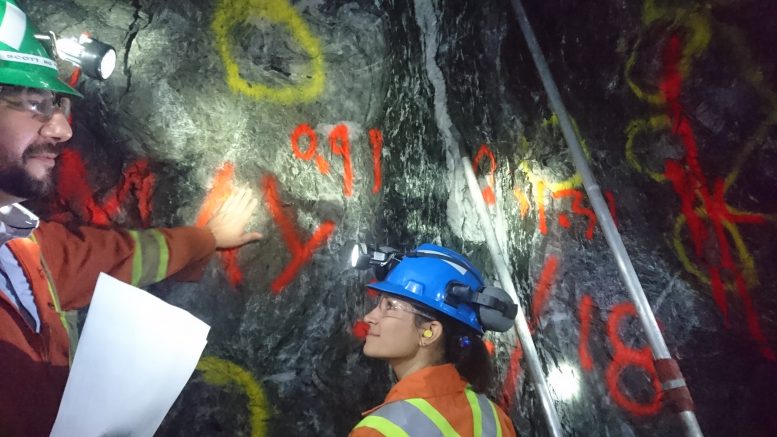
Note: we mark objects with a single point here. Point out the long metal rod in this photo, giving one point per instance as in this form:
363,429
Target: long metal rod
506,280
611,234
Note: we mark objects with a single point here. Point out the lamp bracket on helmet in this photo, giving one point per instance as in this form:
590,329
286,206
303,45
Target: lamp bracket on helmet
95,58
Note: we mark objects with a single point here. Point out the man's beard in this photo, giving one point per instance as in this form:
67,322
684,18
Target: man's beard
16,180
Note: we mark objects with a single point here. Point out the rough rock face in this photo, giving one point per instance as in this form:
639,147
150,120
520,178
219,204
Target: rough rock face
349,119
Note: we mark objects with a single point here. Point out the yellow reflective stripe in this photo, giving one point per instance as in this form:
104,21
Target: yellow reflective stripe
57,306
429,411
382,425
150,257
137,259
477,416
164,255
496,419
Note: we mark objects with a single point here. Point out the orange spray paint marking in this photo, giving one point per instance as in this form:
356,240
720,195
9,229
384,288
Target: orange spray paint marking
691,186
577,208
301,252
523,202
299,131
542,289
220,190
625,356
610,197
376,139
341,146
490,348
137,178
585,313
510,384
74,192
488,192
563,220
75,196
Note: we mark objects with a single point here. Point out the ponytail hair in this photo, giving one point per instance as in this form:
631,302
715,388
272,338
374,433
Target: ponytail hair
464,348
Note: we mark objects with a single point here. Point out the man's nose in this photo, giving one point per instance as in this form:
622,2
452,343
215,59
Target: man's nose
57,129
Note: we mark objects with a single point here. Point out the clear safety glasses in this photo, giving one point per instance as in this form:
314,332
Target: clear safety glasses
391,306
41,103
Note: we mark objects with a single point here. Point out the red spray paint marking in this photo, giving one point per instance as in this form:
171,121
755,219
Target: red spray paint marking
542,289
304,130
585,313
488,192
220,190
689,181
360,329
611,204
341,146
563,220
511,378
625,356
577,208
299,131
301,251
74,195
376,139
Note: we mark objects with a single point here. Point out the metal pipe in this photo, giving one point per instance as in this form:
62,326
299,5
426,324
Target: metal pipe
611,234
520,325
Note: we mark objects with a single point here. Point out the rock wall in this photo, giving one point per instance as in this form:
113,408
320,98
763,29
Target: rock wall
349,119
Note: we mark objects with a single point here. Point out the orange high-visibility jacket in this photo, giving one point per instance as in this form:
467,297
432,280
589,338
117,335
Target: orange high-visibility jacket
34,366
443,388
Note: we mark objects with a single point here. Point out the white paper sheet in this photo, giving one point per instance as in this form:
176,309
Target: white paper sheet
135,355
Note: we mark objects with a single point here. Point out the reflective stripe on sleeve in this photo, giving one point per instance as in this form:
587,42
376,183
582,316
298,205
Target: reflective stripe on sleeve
150,257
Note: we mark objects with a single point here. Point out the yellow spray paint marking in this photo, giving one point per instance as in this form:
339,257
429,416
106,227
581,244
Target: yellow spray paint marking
219,372
232,12
696,25
539,183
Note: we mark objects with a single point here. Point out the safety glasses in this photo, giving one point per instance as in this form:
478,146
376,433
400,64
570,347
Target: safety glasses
391,306
41,103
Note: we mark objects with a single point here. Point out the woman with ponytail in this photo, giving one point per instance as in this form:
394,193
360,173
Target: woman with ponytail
431,312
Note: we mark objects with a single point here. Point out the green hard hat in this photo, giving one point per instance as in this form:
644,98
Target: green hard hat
23,59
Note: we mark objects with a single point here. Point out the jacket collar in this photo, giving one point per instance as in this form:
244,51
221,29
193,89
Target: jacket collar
429,382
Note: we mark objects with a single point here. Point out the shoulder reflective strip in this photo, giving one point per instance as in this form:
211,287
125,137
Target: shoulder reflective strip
497,422
164,255
382,425
14,26
489,417
409,418
150,257
429,411
477,417
55,300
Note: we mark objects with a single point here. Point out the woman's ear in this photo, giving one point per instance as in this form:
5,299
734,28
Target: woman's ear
431,332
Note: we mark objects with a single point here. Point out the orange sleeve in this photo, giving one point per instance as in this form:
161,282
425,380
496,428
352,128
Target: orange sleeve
508,429
75,259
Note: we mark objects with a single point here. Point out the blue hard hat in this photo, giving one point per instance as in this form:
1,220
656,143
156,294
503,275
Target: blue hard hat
424,276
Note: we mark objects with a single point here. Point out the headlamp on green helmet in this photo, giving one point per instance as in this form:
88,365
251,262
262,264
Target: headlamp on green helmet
26,62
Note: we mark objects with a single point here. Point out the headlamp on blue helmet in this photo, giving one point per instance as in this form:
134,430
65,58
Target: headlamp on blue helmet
440,279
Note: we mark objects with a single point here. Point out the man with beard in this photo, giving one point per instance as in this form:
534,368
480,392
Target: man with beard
46,269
